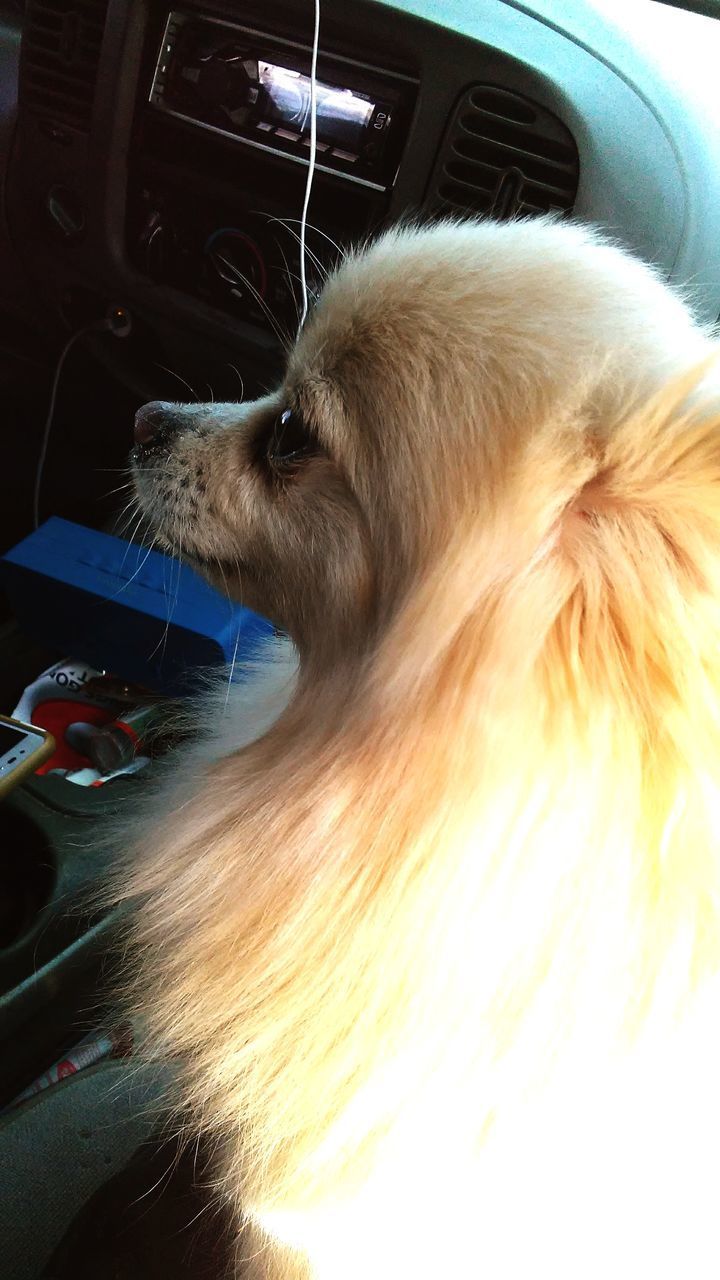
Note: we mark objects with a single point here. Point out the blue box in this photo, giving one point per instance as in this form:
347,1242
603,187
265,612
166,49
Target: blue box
124,609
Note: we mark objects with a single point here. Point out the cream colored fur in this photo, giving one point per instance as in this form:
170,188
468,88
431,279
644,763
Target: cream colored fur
440,949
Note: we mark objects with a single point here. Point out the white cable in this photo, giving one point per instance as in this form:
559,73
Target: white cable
74,337
311,165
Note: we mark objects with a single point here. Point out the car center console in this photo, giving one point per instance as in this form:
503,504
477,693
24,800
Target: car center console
234,102
161,153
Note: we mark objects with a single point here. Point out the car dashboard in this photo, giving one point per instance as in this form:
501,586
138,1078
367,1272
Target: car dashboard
159,155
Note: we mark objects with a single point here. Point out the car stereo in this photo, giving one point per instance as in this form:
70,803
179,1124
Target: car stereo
255,88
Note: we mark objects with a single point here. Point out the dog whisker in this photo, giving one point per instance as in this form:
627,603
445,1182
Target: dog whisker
138,569
121,488
290,276
126,516
171,598
286,223
278,329
240,379
130,537
193,394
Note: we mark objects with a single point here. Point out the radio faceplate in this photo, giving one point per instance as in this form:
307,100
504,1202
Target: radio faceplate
255,88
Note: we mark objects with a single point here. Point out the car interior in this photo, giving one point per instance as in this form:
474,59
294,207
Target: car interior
153,164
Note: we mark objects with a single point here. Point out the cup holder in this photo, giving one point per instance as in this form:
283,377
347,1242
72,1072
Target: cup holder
27,874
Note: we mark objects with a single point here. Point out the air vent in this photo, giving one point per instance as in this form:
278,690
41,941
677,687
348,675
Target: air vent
504,156
60,57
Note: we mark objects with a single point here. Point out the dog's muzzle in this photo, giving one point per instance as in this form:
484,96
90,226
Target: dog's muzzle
156,425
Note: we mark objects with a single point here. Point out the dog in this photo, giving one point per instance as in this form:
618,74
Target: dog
431,915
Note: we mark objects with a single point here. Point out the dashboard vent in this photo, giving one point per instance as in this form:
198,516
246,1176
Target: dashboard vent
503,156
60,57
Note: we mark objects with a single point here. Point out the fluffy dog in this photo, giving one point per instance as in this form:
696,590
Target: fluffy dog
440,950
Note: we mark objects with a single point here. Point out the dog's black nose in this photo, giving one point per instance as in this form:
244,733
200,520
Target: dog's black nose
154,421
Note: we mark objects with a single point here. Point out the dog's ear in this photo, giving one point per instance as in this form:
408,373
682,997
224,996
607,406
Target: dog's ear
643,534
637,641
607,531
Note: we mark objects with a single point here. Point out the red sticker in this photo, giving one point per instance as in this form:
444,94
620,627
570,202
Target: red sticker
56,715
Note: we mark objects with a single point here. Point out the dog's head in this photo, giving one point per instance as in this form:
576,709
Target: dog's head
430,361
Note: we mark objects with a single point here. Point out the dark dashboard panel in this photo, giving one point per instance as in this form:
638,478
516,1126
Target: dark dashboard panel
219,162
168,174
160,158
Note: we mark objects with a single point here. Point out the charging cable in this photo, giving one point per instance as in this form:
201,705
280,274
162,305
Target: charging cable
116,321
311,166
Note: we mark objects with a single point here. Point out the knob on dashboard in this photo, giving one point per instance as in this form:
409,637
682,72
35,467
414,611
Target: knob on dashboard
237,263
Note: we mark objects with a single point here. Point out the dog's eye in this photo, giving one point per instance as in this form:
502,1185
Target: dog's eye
289,440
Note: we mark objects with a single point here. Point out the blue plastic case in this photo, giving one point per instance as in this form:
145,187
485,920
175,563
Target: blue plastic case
120,608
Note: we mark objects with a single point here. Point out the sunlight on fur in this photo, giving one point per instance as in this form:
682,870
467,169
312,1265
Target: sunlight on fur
441,949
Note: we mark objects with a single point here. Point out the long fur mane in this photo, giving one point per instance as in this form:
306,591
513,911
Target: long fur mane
440,950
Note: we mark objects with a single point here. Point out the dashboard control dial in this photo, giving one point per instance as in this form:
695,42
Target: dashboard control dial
238,264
